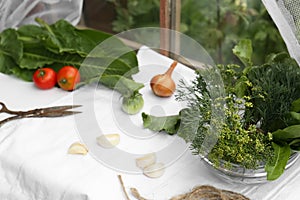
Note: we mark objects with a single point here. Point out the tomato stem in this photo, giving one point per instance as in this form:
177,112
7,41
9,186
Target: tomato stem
63,81
41,73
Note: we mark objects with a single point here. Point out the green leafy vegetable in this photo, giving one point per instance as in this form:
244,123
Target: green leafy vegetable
290,132
169,124
11,51
262,114
98,56
276,167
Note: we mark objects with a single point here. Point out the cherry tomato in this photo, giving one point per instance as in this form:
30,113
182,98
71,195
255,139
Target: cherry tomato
68,77
44,78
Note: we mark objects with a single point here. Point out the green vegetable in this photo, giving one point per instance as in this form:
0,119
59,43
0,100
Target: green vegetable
262,114
169,124
276,167
99,56
290,132
132,104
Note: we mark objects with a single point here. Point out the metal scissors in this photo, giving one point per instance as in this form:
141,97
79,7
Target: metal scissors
55,111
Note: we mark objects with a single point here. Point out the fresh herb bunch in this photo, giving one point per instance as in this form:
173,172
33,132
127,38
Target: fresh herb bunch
274,86
261,122
236,143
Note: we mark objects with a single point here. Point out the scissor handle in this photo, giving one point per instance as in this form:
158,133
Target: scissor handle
4,109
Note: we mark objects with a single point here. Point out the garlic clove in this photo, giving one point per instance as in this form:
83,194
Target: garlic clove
78,148
154,171
108,140
146,160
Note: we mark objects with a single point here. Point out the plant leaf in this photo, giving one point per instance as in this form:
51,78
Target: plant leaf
291,132
189,123
241,86
166,123
276,168
11,50
243,50
295,144
121,84
296,106
292,118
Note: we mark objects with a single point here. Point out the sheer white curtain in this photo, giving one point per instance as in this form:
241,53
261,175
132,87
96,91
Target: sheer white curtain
286,15
14,13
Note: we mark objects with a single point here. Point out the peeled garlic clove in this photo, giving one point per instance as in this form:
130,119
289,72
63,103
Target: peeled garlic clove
154,171
108,140
146,160
78,148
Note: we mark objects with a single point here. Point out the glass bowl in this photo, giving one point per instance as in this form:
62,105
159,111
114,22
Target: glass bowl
238,174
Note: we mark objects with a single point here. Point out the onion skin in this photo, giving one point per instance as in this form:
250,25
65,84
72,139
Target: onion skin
163,85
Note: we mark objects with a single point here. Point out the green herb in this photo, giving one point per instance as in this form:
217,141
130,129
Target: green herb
274,87
262,114
235,143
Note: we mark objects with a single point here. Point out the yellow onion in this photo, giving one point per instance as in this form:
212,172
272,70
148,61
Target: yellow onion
163,85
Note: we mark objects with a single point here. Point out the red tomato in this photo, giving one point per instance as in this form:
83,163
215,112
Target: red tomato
68,77
44,78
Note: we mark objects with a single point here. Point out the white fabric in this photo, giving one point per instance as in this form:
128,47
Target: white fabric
34,164
285,22
14,13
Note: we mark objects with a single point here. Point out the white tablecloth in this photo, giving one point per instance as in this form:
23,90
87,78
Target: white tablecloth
34,164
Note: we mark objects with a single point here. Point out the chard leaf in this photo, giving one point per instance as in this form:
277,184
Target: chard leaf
25,74
168,124
59,44
276,167
11,50
37,56
10,45
63,43
121,84
61,37
243,50
291,132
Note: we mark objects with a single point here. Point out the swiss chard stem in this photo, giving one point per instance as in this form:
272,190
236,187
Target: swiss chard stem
44,24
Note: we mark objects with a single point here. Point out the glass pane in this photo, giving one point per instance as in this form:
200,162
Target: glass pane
216,24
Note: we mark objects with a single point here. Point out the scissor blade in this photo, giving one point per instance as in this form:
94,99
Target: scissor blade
60,108
60,114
